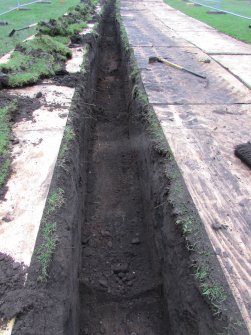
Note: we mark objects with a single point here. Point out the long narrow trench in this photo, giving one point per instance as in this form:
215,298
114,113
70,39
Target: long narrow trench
119,293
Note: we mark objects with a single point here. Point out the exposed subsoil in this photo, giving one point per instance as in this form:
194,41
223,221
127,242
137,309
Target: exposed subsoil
119,292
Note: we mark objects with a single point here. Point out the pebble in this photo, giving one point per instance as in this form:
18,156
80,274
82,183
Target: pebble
120,268
131,276
103,282
105,233
121,274
92,243
62,115
15,266
218,226
109,244
135,240
102,329
88,252
39,95
7,218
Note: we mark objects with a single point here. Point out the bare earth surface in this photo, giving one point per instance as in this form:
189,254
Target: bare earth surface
202,120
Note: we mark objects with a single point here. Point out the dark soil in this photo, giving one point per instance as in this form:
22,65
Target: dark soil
119,292
25,106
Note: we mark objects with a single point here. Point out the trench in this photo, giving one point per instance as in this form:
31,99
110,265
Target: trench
119,292
134,274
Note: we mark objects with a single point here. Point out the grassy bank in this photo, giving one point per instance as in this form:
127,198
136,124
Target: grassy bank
19,19
226,23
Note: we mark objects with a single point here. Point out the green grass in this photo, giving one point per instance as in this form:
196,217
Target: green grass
55,201
216,294
45,55
19,19
38,58
46,249
69,135
49,239
226,23
201,273
5,131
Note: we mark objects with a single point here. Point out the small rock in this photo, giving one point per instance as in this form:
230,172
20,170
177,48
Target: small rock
109,244
88,252
121,275
131,276
135,240
217,226
243,202
218,251
92,243
86,331
7,218
15,266
15,141
62,115
130,283
102,329
133,333
39,95
3,23
103,283
86,240
105,233
120,268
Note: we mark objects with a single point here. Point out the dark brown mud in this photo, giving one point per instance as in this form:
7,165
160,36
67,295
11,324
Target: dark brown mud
119,292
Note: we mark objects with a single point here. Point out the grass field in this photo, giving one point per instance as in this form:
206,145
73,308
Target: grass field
242,7
226,23
19,19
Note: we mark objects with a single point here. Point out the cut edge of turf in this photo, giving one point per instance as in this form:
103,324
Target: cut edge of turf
5,137
45,55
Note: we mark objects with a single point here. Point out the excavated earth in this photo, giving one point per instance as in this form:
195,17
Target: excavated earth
121,265
119,293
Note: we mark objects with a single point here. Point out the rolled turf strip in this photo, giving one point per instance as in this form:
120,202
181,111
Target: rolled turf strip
243,151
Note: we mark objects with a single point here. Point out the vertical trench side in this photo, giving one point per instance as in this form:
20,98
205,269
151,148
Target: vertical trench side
119,292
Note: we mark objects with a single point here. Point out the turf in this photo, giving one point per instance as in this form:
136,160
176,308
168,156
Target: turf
5,131
34,59
45,55
226,23
19,19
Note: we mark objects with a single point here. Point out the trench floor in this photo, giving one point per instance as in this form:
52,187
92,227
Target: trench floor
119,292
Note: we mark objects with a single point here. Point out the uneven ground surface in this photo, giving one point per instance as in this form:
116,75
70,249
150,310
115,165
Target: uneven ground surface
202,121
119,293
